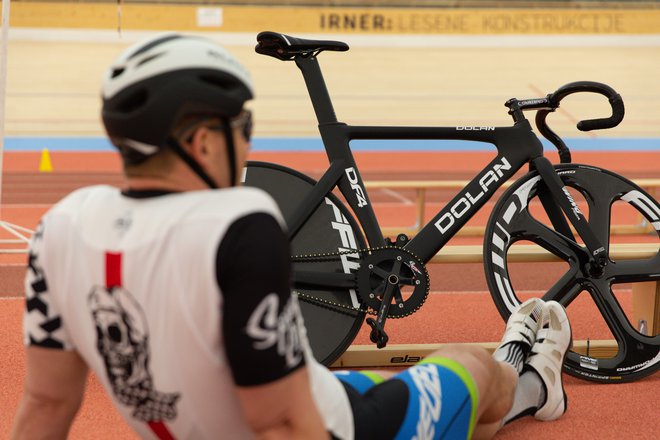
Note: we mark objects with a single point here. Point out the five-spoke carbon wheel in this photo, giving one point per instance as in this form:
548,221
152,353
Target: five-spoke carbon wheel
637,353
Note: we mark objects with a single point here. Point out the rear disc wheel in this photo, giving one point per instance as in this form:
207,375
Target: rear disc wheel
333,315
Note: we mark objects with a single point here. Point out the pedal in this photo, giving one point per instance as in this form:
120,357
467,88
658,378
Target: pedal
377,335
377,325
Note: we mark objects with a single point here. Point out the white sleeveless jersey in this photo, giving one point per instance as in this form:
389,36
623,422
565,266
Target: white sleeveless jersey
132,285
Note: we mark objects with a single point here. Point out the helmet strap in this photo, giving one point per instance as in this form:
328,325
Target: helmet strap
231,151
196,167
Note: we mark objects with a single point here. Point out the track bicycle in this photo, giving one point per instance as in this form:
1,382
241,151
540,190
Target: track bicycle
344,269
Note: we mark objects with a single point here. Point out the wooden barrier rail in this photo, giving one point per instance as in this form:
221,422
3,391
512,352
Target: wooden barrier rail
646,306
421,188
399,355
530,253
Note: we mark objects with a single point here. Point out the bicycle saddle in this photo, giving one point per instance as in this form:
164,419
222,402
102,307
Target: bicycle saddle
285,47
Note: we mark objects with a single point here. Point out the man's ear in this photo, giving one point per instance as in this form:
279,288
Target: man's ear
197,146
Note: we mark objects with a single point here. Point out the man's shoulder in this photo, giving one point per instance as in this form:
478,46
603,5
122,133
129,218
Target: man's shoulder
75,199
235,202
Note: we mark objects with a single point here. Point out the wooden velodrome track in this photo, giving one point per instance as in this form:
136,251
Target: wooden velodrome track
53,90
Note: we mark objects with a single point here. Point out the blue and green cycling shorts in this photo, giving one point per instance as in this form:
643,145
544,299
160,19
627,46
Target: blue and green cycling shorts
435,399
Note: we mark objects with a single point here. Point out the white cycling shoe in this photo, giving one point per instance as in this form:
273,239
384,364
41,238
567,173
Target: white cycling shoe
524,323
553,340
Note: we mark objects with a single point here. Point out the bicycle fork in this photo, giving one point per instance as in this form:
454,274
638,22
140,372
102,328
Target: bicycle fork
560,196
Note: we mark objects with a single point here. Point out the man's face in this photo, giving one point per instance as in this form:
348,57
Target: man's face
242,146
217,160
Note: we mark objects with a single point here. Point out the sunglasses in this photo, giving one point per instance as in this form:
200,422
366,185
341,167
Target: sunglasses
243,122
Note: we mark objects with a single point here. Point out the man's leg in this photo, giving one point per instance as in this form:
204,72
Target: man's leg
495,382
474,389
517,341
492,382
516,345
540,388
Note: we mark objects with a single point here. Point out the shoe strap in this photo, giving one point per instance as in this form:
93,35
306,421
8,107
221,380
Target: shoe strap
547,348
522,331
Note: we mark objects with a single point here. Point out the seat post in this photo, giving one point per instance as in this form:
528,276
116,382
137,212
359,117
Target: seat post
318,91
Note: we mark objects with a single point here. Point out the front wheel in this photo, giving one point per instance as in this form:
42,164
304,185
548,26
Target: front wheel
333,315
519,218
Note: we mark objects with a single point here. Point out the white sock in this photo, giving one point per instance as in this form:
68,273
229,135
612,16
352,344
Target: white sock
513,353
529,396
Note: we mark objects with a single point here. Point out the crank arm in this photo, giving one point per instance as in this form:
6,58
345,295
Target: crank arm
378,335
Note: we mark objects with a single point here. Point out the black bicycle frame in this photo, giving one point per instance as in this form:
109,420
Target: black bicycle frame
516,146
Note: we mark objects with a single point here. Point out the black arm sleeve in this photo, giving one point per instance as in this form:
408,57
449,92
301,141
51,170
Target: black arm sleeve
261,320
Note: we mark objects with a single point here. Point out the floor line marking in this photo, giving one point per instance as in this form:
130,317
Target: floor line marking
26,205
396,195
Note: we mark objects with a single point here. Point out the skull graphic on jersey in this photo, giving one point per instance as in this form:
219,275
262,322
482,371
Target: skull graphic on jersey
123,342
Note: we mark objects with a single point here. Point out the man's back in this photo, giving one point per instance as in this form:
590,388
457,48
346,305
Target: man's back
133,281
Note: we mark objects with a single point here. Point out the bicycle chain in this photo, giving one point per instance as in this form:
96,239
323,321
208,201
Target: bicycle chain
331,256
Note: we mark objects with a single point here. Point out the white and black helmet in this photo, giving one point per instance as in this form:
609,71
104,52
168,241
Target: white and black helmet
156,82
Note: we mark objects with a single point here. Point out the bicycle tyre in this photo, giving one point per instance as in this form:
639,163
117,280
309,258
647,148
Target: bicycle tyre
638,355
330,330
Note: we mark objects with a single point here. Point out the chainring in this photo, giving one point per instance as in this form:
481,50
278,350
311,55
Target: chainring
411,280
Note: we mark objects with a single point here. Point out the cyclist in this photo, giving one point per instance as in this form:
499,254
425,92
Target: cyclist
175,292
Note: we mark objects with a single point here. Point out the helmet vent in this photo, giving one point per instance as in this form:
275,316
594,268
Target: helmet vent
149,58
117,71
222,82
154,43
134,101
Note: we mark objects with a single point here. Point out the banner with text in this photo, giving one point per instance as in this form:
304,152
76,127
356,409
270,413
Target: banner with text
335,20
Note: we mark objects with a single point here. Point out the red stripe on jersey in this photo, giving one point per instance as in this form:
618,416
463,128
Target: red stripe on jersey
112,270
113,279
160,430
